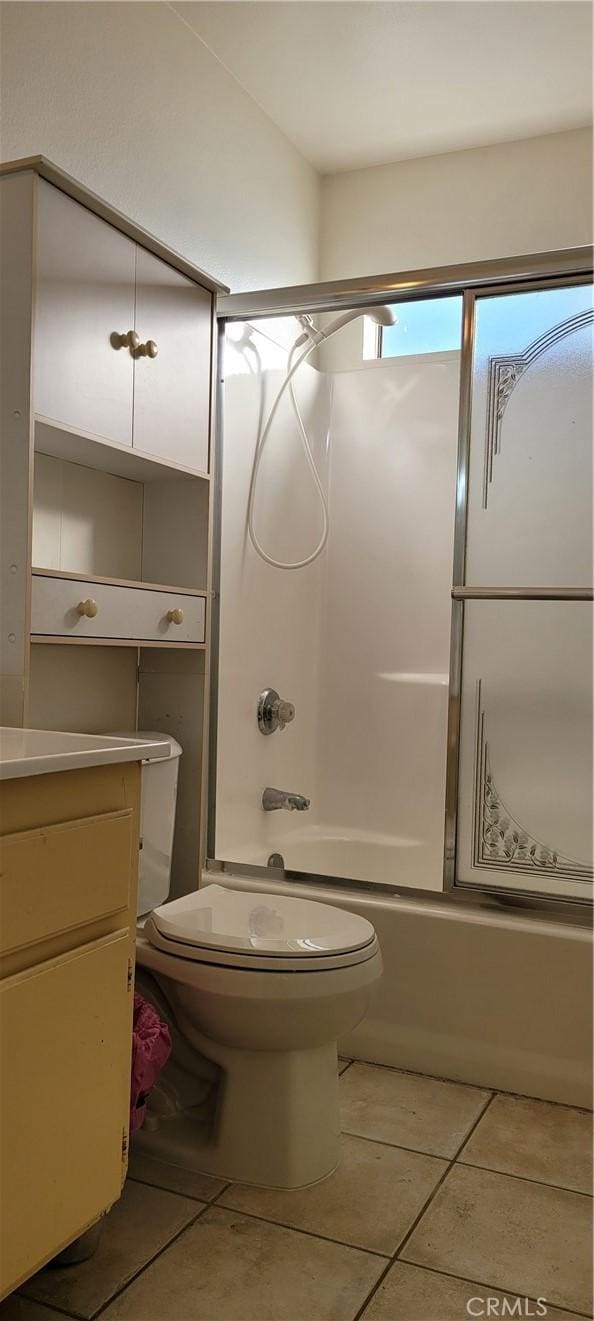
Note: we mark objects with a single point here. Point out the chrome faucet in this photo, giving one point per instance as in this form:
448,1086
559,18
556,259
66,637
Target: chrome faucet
272,799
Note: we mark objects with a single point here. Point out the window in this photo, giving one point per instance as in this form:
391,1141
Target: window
427,325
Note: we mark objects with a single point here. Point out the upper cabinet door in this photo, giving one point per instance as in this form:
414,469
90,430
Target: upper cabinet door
172,388
530,487
85,294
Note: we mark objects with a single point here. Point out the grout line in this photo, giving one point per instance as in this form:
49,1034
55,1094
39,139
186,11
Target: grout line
482,1284
163,1188
220,1192
373,1291
524,1178
424,1208
438,1077
474,1086
309,1233
108,1301
348,1065
397,1146
53,1309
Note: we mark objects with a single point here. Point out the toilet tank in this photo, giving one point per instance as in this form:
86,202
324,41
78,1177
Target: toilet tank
157,822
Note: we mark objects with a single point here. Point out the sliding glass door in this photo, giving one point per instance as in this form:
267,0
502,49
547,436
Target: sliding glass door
525,785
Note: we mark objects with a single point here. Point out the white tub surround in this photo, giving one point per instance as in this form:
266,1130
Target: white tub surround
497,999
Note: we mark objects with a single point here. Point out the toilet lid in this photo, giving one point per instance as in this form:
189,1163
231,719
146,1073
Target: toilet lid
271,924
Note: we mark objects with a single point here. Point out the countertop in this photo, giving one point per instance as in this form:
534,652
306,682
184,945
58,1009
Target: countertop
41,751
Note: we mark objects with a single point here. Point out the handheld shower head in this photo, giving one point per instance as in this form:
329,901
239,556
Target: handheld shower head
383,316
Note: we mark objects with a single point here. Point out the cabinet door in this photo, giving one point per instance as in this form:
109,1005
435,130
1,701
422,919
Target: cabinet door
172,390
84,293
64,1096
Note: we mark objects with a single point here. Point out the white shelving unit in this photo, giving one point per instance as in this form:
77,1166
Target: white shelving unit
106,496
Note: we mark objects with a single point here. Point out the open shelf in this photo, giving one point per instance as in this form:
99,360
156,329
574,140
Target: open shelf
62,442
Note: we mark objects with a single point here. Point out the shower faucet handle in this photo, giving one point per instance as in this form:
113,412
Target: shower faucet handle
273,711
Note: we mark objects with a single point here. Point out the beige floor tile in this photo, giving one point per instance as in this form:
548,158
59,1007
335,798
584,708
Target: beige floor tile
145,1169
16,1308
369,1202
517,1236
535,1139
227,1267
410,1293
408,1109
138,1226
343,1064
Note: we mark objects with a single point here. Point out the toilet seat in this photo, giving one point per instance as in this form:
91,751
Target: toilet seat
263,932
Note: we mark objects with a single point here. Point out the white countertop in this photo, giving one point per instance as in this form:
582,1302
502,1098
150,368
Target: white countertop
41,751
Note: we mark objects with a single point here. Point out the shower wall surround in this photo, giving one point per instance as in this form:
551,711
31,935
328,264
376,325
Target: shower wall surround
360,640
269,619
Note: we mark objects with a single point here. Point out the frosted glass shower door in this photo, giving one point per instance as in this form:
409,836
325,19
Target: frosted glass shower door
525,788
530,477
385,623
525,807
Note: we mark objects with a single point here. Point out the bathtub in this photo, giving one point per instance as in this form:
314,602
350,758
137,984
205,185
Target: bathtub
327,850
496,999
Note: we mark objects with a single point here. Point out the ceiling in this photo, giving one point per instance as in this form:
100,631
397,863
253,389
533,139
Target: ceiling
369,81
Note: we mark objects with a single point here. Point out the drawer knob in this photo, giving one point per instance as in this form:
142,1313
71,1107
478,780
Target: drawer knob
128,341
88,608
175,616
148,350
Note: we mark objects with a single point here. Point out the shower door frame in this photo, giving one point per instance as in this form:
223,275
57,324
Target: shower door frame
471,281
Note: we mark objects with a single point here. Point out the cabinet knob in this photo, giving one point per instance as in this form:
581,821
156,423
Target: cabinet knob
88,608
175,616
148,350
128,341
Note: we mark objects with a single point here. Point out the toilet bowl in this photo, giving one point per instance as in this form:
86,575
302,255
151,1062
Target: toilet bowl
262,986
256,990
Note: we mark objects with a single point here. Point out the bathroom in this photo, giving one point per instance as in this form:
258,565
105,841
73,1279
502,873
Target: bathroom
297,655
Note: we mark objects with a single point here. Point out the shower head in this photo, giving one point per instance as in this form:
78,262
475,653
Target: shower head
383,316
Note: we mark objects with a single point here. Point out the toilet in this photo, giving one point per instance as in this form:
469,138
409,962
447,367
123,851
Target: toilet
256,990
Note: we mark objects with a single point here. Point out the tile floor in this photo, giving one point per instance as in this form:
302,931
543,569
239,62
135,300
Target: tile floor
445,1195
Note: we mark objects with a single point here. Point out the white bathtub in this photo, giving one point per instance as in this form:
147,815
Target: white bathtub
327,850
497,999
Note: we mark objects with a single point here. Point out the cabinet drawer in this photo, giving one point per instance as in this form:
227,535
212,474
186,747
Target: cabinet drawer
134,613
65,1035
62,876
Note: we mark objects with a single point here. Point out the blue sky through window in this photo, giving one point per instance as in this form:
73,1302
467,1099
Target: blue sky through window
430,325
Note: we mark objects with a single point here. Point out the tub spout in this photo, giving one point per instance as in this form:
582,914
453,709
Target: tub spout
272,799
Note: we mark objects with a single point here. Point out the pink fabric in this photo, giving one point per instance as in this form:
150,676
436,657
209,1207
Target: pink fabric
151,1048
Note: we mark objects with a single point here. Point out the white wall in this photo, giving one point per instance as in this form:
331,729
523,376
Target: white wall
269,618
127,99
513,198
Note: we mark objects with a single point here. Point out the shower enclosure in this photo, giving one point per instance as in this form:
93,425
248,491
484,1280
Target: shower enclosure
437,650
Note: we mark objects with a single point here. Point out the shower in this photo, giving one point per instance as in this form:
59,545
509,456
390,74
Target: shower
383,316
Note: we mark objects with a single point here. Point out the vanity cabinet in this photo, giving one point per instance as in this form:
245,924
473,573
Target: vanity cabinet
68,873
122,339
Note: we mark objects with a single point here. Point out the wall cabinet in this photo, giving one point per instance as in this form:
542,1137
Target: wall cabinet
95,290
85,272
107,492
